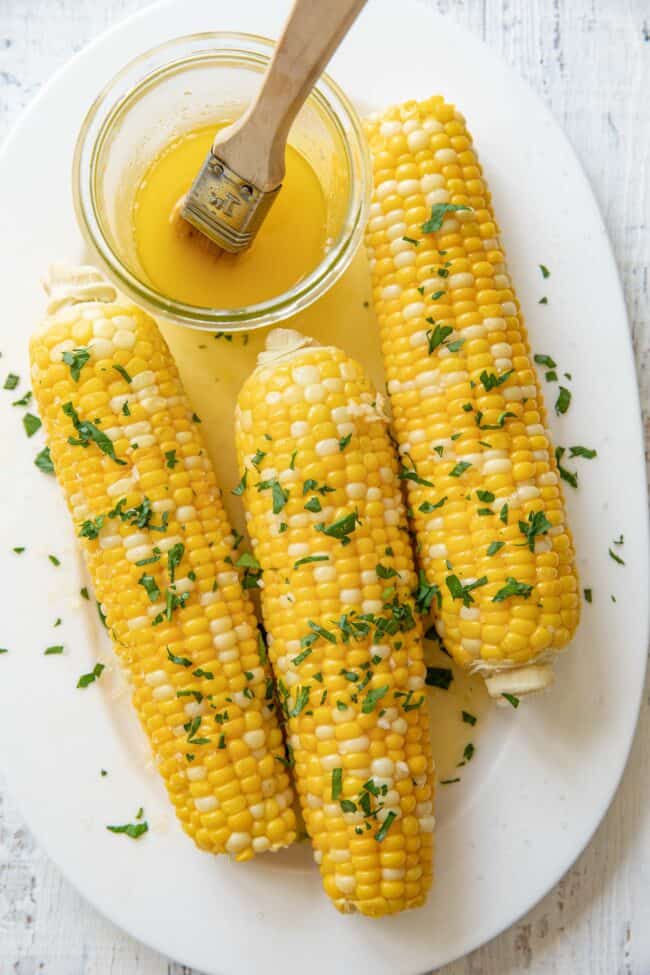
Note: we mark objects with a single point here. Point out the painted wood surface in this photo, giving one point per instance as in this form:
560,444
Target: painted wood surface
590,61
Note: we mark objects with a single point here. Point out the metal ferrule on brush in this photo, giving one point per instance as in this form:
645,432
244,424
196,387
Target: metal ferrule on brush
226,208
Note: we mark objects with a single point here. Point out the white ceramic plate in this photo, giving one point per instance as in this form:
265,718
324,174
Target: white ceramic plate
543,776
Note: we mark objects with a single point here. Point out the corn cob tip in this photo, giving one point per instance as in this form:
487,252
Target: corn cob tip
520,681
69,284
283,343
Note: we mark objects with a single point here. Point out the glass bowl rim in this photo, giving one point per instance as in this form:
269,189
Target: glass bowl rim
111,102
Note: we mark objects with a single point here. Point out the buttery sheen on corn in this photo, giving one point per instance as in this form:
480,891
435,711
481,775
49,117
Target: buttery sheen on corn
468,411
130,458
327,525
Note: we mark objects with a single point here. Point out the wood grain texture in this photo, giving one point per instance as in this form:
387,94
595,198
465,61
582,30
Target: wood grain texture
590,61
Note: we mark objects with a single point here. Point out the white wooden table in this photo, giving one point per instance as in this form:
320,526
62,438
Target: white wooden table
590,60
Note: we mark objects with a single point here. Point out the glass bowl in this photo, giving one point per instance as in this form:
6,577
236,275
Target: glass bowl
173,88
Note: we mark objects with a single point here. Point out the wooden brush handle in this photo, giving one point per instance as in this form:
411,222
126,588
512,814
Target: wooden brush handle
254,146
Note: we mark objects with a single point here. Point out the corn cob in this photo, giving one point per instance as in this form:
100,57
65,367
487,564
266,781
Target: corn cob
129,456
468,411
327,526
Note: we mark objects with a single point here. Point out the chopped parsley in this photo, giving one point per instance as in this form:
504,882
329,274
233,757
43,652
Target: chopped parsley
342,528
241,487
468,753
537,524
468,718
150,560
89,433
247,561
436,336
385,826
185,662
53,559
490,381
459,468
494,547
301,702
438,211
615,557
278,495
571,477
43,461
314,505
372,698
311,485
511,699
76,359
31,424
563,400
425,593
91,527
512,588
24,400
501,419
385,573
132,830
53,650
459,590
485,496
150,587
439,677
296,661
428,506
11,381
174,559
406,474
308,559
545,360
586,452
191,727
588,595
337,783
86,679
170,459
545,271
123,373
344,441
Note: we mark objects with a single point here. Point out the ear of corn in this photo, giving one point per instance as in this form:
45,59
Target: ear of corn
129,456
327,525
468,411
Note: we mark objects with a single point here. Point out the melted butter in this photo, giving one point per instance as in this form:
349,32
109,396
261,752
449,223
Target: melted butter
449,733
288,246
